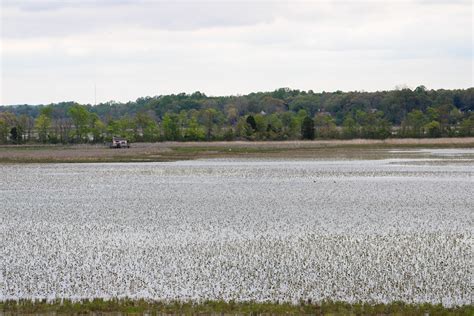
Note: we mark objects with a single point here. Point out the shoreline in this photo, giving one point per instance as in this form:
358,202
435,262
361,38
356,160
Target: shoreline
175,151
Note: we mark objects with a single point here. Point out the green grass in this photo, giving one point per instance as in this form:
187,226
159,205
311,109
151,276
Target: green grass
127,306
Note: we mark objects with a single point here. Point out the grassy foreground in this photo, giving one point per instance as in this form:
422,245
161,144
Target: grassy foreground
139,307
173,151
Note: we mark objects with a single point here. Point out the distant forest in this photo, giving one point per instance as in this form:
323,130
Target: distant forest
283,114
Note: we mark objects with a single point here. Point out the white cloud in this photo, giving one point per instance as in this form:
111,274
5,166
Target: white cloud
53,52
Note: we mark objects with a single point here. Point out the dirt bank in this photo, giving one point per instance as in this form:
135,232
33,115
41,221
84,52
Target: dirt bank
172,151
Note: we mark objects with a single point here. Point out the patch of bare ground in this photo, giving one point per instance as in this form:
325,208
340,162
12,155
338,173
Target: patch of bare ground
322,143
172,151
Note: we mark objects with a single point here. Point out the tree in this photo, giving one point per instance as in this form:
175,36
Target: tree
310,103
170,127
16,135
145,129
43,126
325,126
194,131
412,126
243,129
398,103
274,127
25,124
7,122
81,118
228,134
355,114
384,129
271,105
349,128
232,114
47,110
307,128
467,126
433,129
373,124
297,122
122,127
97,128
251,122
3,131
261,126
151,132
288,129
209,117
63,127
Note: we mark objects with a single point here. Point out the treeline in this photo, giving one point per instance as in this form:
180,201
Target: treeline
283,114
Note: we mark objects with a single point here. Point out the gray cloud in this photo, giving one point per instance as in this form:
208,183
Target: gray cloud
57,18
445,2
57,50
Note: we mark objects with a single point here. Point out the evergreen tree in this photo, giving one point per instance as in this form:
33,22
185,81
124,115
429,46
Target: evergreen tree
251,122
307,128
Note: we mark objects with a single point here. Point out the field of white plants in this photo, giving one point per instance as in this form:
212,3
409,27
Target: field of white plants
275,230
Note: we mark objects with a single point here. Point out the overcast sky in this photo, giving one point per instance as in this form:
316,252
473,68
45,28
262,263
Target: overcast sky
55,51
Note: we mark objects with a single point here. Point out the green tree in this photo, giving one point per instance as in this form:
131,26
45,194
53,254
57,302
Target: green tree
232,114
97,128
349,128
384,129
3,131
7,122
195,131
260,126
16,135
286,124
81,119
229,134
243,129
171,129
47,110
251,122
325,126
433,129
307,128
297,122
373,124
371,116
26,124
412,126
467,126
43,126
145,129
122,127
209,118
274,127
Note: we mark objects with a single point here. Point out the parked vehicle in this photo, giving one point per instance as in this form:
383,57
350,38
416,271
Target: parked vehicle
119,142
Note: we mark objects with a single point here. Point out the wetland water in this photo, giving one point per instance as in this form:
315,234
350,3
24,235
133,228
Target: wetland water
348,230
